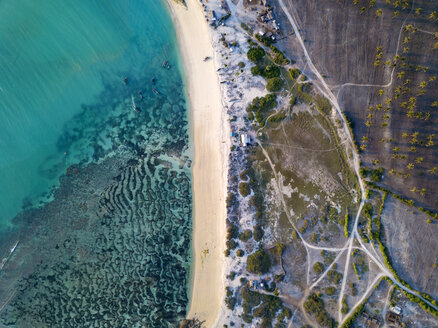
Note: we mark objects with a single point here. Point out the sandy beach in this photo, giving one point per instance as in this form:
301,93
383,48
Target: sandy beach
210,131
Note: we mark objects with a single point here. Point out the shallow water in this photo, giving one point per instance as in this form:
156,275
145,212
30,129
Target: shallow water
107,245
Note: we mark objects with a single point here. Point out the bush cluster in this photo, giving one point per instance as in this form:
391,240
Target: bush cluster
314,305
260,106
255,54
258,262
274,84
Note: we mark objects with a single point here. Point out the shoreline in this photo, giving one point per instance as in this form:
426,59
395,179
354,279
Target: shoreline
209,129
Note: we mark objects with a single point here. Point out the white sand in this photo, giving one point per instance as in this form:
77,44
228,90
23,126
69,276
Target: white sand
211,143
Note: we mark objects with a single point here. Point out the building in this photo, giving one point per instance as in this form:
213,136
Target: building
396,309
245,140
393,319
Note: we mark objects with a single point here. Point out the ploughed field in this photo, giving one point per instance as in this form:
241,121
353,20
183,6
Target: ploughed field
380,60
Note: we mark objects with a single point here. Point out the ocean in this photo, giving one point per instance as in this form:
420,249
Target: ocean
95,165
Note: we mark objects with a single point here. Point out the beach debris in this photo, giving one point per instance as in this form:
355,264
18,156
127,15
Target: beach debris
207,58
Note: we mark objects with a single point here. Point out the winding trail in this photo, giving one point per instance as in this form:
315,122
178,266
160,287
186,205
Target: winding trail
327,92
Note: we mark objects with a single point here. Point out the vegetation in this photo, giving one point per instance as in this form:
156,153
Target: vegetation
258,262
255,54
350,320
244,189
318,267
246,235
260,106
262,306
258,232
346,221
279,57
230,300
294,73
330,290
274,84
268,71
314,305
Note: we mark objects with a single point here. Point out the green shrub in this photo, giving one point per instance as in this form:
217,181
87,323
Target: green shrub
261,105
232,231
258,232
294,73
255,54
246,235
318,267
376,174
258,262
314,305
240,253
271,71
368,210
279,57
244,189
241,64
256,70
263,39
274,84
231,244
330,290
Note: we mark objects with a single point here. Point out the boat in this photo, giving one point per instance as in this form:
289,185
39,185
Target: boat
5,259
164,63
134,106
155,91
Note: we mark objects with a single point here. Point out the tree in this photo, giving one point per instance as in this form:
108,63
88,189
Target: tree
258,262
274,84
255,54
244,189
318,267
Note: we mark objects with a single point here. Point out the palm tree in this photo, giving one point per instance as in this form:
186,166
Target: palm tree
410,166
433,170
414,189
379,12
419,160
423,191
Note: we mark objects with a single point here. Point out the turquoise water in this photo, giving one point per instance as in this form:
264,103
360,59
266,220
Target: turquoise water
95,195
54,57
